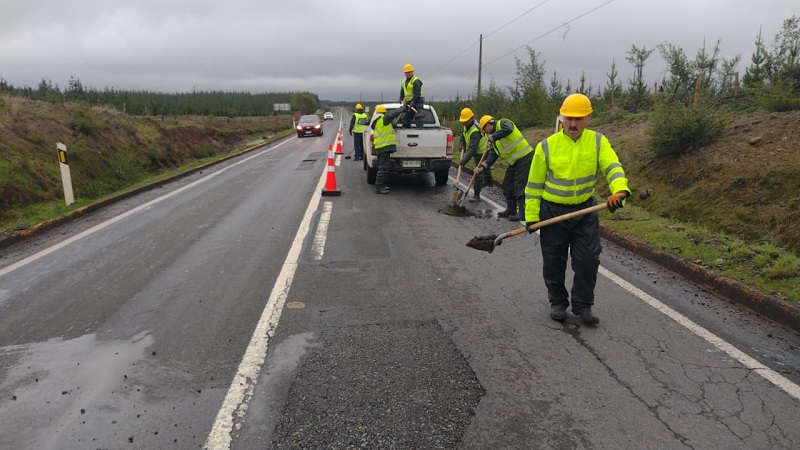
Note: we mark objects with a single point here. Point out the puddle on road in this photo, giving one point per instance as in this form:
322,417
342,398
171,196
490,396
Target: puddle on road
52,387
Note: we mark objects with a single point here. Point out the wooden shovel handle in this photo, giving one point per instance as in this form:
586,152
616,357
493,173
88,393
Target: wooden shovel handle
472,180
544,223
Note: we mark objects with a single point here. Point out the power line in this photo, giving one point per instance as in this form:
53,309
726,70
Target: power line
551,31
486,36
517,18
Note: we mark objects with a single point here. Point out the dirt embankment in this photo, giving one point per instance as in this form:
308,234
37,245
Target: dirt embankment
746,184
108,150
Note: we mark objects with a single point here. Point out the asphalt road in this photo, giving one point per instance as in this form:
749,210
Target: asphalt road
238,308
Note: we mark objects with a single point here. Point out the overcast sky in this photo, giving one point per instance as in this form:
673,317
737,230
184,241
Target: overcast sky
356,49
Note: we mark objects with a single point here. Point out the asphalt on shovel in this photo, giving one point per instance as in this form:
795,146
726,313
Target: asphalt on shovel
457,195
489,242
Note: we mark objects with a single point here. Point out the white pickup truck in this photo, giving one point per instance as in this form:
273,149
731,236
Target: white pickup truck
426,149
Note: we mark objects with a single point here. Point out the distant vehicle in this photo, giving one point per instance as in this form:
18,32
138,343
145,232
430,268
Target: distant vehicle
309,125
328,115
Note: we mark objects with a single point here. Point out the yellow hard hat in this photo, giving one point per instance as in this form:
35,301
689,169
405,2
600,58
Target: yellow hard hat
408,68
486,119
358,106
466,114
380,109
576,105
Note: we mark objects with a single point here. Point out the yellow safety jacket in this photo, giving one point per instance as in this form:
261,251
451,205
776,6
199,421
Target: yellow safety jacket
512,147
565,171
408,88
361,122
467,136
384,134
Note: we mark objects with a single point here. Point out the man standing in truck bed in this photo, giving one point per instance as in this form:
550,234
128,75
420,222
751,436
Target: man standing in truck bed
411,95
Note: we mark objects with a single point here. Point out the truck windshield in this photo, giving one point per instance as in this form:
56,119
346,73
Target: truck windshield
427,119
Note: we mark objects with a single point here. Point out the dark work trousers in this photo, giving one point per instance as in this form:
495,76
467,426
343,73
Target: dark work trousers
383,163
410,116
480,178
358,146
515,180
580,238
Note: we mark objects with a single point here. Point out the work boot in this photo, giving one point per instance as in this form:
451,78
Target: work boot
587,317
511,208
521,214
381,189
558,313
475,198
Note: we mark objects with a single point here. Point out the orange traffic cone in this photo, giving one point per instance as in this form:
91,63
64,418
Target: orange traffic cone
338,144
330,181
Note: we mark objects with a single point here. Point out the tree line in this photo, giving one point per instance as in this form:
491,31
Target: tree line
216,103
693,88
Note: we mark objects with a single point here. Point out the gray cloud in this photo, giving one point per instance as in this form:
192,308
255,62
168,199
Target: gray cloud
352,50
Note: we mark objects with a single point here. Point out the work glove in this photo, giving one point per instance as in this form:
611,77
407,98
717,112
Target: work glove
614,202
528,226
479,169
489,139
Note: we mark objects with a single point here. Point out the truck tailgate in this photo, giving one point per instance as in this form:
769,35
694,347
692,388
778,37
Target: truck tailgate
425,143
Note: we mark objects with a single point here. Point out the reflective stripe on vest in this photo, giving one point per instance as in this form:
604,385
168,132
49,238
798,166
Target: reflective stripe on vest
512,147
384,134
468,136
552,184
408,88
361,122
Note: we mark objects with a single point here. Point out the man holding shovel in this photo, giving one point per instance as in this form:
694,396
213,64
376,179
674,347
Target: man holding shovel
411,95
508,144
475,143
562,180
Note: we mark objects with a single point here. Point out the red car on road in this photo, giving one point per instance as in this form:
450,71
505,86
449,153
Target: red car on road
309,125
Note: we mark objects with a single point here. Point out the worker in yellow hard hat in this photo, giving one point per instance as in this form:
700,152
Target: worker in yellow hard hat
473,144
562,180
507,144
358,124
411,95
385,143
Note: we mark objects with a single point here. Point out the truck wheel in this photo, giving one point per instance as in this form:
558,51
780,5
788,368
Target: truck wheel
371,174
441,176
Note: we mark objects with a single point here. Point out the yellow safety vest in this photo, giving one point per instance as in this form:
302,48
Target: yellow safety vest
384,134
512,147
408,88
361,122
468,136
568,176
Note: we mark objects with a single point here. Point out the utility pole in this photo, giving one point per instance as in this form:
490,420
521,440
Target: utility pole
480,62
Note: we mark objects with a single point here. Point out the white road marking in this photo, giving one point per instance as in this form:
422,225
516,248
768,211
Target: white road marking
237,400
318,248
746,360
23,262
743,358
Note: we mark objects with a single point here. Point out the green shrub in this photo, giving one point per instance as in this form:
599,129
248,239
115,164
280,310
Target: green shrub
677,129
787,266
779,97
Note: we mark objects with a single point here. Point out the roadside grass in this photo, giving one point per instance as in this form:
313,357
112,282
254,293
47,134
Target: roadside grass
764,265
19,218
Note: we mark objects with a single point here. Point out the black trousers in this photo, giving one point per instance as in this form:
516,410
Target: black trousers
579,238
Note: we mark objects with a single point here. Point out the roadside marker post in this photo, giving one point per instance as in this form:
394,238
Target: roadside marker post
66,179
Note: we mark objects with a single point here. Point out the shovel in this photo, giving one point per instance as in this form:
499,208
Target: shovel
457,195
488,243
474,175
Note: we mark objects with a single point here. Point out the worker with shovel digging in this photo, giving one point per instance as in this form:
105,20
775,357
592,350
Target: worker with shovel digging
475,143
562,180
508,144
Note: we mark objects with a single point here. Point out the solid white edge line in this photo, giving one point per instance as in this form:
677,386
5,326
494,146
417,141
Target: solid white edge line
318,249
746,360
243,384
23,262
